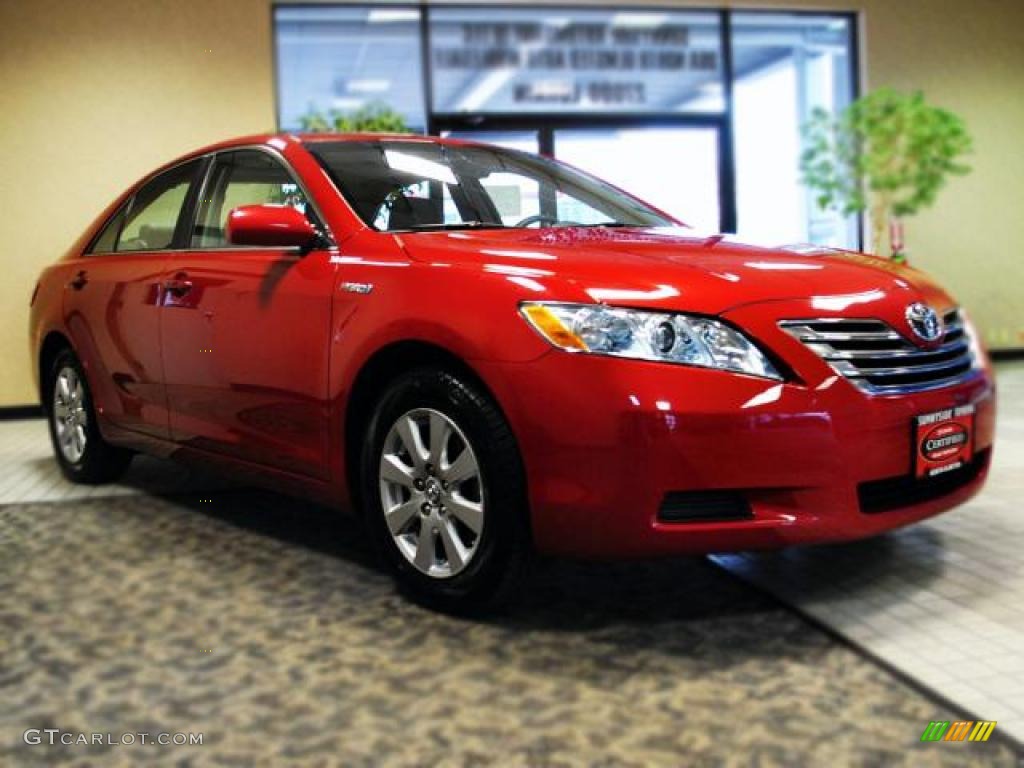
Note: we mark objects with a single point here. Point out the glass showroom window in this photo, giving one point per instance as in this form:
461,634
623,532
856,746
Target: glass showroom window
343,58
633,96
575,60
785,65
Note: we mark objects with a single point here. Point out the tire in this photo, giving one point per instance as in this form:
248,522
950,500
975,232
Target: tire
82,453
455,540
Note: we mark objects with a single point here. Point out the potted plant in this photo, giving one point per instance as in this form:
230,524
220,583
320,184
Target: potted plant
888,153
371,118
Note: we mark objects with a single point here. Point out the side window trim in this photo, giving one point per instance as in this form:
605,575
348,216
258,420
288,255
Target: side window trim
315,216
197,202
204,190
190,180
125,209
120,212
189,209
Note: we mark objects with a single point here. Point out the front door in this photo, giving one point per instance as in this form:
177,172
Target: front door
246,330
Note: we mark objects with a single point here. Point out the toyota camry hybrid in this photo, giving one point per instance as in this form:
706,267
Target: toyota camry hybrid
486,353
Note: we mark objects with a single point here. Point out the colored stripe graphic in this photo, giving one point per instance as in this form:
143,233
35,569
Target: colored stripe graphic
982,731
960,730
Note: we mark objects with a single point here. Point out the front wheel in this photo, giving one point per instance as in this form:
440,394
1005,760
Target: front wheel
444,491
82,453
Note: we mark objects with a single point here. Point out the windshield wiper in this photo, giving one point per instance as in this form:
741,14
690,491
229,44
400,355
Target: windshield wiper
608,224
452,226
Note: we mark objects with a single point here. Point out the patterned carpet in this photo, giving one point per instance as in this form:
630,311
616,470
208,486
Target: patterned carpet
263,624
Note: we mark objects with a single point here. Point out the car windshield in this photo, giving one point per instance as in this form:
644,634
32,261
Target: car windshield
400,186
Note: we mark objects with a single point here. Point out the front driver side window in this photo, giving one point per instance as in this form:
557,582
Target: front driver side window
243,177
155,210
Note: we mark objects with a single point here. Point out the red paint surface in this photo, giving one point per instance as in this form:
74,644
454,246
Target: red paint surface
252,366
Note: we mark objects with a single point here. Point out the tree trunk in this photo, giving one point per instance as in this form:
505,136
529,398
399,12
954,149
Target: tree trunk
896,248
879,224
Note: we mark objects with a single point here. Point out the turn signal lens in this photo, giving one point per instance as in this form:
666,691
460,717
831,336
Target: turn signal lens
552,328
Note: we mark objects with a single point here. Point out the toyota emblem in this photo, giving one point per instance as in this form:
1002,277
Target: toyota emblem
924,321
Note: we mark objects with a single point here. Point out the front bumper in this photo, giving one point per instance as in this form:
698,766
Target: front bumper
604,441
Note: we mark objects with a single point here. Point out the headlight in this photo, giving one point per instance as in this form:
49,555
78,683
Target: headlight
659,336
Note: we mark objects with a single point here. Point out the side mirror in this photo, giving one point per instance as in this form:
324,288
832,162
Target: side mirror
273,226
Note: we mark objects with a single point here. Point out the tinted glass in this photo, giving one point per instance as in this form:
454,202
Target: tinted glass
395,185
107,239
246,177
154,212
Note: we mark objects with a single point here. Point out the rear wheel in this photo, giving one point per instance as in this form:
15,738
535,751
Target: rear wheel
82,453
444,491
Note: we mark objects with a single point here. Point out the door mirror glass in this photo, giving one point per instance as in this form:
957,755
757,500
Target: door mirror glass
271,226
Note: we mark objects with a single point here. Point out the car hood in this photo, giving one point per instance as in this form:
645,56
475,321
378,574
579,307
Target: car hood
674,268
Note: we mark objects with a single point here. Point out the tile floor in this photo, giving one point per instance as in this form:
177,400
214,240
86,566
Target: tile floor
942,601
28,472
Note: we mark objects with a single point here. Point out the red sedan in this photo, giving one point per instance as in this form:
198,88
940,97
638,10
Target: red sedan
487,353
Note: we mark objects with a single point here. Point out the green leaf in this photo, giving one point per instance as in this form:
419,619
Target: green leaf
376,117
891,146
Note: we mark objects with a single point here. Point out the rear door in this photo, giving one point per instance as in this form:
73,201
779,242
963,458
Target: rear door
112,302
246,330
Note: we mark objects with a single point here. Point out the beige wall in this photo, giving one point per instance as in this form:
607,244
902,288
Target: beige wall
96,94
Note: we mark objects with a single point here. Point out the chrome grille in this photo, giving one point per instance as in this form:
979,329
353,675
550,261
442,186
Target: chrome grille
879,360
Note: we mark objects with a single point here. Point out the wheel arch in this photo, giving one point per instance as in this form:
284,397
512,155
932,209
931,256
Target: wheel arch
53,343
382,367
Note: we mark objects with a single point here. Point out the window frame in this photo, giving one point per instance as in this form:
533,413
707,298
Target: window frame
125,208
317,219
119,213
181,241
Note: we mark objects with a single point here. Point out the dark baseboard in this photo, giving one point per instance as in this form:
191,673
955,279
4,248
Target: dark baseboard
12,412
998,355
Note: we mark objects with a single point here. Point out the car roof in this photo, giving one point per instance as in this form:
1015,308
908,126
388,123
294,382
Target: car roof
275,139
317,138
281,140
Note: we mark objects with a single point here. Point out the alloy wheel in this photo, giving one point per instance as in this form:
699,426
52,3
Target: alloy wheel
432,492
70,418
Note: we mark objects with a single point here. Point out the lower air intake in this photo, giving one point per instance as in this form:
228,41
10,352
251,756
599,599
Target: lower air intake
704,507
906,490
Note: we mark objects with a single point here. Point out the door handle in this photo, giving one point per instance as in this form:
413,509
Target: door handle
179,285
80,280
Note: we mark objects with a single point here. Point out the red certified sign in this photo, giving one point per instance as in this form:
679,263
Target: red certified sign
944,441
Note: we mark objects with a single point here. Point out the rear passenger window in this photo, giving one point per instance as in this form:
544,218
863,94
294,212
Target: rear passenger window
107,239
154,212
243,177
